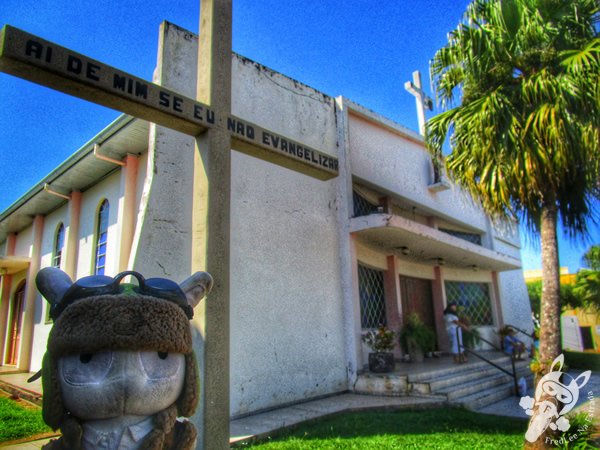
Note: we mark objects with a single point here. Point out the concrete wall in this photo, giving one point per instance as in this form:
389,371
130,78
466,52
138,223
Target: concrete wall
24,242
402,166
514,299
370,256
286,328
41,328
516,308
90,204
162,241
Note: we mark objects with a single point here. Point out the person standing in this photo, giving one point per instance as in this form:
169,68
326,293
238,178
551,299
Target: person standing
454,329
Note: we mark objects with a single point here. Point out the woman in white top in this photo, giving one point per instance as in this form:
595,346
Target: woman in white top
454,328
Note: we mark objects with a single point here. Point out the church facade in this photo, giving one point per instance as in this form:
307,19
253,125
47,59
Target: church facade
313,263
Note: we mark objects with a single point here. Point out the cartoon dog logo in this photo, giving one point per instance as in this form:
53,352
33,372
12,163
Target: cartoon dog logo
550,394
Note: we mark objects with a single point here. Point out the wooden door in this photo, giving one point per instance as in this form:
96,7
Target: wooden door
14,327
417,298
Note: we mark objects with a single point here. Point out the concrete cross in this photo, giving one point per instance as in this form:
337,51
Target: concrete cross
422,100
208,118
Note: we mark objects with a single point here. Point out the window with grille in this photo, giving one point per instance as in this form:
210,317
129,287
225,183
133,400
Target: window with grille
59,242
473,300
362,206
101,238
474,238
372,297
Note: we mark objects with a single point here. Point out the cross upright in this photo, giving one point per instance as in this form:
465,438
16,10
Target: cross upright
415,87
211,216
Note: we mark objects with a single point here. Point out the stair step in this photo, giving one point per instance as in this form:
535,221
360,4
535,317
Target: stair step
437,384
389,386
440,380
486,397
474,364
474,384
460,391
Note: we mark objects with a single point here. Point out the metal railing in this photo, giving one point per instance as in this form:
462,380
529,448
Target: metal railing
526,333
463,349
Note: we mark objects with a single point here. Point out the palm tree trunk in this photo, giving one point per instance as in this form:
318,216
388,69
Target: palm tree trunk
550,308
550,342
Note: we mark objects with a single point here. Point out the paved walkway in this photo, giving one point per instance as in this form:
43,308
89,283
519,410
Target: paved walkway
264,424
510,406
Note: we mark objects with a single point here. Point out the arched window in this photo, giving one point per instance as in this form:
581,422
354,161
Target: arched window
101,235
59,242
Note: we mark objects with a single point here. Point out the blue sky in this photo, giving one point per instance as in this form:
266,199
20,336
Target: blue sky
361,49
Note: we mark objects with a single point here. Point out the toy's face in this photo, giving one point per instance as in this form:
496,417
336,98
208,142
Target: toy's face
113,383
551,386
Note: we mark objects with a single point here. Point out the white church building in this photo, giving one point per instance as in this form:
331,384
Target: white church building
313,263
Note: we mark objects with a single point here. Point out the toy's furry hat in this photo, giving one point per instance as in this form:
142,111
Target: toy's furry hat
98,313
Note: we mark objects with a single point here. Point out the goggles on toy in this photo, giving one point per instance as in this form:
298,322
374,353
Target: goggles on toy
103,285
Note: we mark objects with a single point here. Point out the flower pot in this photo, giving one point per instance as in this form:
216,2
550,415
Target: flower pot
381,362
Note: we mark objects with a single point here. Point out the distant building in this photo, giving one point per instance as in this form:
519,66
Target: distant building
580,328
536,275
314,263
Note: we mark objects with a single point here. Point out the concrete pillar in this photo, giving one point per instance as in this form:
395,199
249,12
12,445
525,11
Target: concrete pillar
129,177
24,361
356,319
496,300
386,204
5,289
72,244
348,260
162,239
392,297
432,222
438,309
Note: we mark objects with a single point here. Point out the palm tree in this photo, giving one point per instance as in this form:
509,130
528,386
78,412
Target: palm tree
525,137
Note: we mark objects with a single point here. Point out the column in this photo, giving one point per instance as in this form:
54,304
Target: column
72,244
497,303
24,361
392,297
129,177
438,309
348,260
11,241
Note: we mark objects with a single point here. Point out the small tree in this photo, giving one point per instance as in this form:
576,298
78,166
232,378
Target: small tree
587,285
591,258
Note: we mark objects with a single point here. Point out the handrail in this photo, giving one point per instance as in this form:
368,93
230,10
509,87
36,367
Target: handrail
531,335
462,348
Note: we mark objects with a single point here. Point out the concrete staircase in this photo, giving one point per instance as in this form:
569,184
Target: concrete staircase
472,385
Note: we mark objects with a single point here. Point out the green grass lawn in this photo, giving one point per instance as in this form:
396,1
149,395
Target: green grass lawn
17,421
446,428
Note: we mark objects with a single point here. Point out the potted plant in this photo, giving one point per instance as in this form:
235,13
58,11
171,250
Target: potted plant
417,338
381,342
471,337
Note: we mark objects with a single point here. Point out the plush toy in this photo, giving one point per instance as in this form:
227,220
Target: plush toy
120,368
